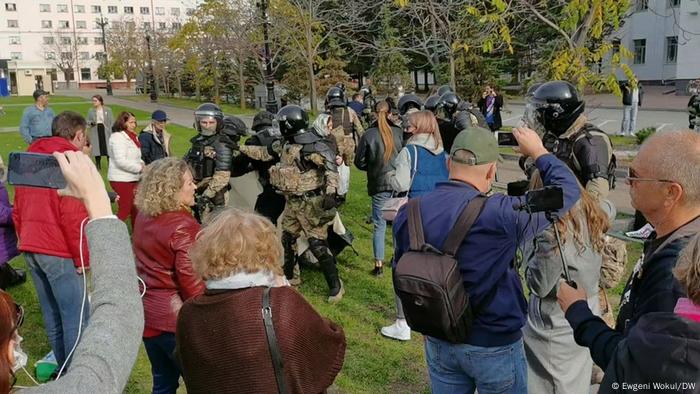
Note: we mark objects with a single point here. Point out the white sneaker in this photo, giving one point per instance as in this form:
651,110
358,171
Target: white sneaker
399,330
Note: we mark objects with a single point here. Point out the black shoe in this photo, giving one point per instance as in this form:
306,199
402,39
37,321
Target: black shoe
11,277
378,270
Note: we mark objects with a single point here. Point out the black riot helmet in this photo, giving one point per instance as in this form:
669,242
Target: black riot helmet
262,120
448,103
408,101
366,90
335,98
208,110
555,106
293,120
341,86
234,127
444,89
431,103
532,88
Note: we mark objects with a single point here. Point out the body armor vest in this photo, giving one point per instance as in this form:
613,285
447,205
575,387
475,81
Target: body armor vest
202,157
293,175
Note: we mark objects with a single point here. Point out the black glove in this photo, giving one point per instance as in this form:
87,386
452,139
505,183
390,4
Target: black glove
330,201
275,148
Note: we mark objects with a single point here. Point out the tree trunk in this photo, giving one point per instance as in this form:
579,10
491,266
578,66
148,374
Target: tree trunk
241,82
197,88
453,76
312,83
179,85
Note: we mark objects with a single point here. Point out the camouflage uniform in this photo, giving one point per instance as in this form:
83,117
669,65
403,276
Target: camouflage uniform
211,173
347,129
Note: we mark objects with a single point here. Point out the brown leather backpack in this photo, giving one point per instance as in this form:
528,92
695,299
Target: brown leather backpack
428,280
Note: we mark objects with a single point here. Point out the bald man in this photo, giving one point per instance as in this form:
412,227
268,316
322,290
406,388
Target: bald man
665,187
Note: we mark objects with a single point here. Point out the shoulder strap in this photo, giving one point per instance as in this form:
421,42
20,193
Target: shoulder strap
415,225
463,224
414,170
272,342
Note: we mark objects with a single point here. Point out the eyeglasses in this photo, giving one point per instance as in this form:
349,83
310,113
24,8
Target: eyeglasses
632,178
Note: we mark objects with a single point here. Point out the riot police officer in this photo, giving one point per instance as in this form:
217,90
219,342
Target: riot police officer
456,115
347,127
269,203
210,160
556,108
409,103
431,103
307,175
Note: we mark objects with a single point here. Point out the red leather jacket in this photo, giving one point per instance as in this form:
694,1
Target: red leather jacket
161,247
46,223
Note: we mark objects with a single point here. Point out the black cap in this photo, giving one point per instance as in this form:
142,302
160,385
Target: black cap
38,93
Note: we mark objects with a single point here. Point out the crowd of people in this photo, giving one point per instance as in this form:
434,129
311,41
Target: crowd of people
209,289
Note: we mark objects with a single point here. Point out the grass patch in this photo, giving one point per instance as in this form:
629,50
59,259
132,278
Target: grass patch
192,103
13,114
16,100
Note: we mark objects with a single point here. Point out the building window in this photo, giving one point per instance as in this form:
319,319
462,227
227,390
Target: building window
162,25
49,55
48,41
112,9
145,11
63,25
128,10
96,9
66,55
65,40
130,25
85,74
673,3
79,9
80,25
10,7
84,55
160,10
671,49
99,56
177,25
61,7
640,51
82,40
46,24
99,41
12,23
175,11
116,25
14,40
642,5
44,7
146,25
189,11
16,55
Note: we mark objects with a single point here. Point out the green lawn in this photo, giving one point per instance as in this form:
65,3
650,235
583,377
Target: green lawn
192,103
372,364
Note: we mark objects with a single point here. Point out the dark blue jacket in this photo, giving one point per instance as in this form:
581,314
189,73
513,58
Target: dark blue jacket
357,107
651,289
8,238
486,255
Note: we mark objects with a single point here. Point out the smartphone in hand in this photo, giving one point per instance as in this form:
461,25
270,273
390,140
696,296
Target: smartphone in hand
34,169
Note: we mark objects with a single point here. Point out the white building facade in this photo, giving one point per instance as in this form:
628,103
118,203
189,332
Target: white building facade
33,32
664,37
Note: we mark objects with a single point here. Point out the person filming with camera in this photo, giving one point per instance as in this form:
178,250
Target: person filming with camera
492,342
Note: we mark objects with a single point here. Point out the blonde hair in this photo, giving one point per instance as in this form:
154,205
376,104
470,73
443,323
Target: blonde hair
160,184
425,122
588,208
385,130
236,241
687,269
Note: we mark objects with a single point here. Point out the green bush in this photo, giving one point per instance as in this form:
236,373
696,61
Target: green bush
644,133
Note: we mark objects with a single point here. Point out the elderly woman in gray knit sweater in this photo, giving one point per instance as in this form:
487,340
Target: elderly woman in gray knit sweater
108,348
556,364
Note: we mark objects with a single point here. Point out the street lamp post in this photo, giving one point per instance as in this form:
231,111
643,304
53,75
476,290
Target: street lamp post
102,23
271,104
152,77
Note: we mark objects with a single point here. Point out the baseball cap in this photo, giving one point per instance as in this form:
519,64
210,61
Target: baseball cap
39,92
479,142
159,116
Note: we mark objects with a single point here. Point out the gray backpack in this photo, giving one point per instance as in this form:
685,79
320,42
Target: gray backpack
428,280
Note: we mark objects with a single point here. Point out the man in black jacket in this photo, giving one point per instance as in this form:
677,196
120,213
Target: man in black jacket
155,141
664,186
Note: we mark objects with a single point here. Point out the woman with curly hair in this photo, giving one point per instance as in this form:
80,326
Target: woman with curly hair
222,335
163,234
555,362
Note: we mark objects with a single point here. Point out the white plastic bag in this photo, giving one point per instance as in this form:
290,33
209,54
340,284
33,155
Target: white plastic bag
344,175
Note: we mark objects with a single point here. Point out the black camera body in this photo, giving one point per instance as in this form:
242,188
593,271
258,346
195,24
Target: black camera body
547,199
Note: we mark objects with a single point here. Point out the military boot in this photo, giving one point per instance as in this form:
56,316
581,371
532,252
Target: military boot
320,250
289,258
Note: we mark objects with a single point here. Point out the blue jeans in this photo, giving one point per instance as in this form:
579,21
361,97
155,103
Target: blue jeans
462,368
164,367
60,292
379,224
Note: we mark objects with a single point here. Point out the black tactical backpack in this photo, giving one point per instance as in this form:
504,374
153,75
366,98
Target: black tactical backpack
428,280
